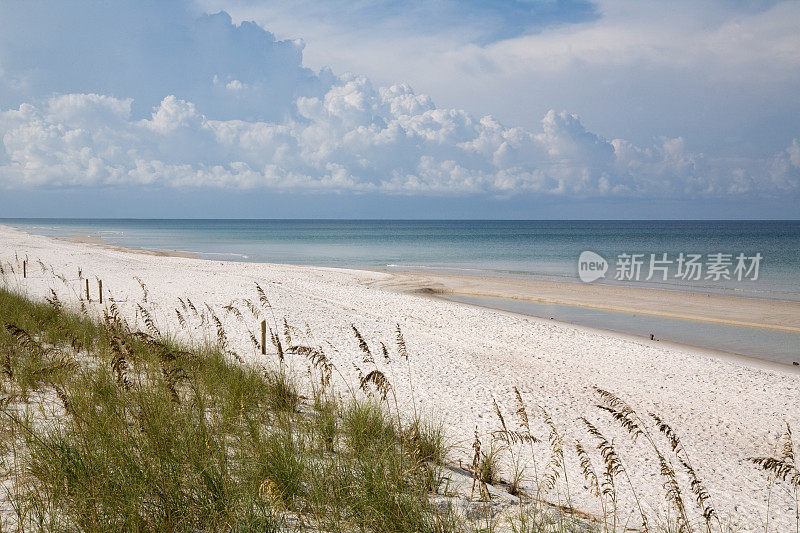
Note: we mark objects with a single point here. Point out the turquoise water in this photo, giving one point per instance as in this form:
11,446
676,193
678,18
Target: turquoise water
546,250
536,249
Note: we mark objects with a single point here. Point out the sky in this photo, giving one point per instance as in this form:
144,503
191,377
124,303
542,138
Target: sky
400,109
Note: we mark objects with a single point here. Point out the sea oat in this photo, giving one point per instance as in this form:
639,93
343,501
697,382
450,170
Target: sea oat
362,344
702,496
145,293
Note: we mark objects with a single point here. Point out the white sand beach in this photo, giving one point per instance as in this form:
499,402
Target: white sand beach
725,409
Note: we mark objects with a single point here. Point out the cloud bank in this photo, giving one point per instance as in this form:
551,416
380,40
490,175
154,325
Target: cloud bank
357,138
217,105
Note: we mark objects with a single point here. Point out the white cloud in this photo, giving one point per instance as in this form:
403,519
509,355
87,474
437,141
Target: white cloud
356,138
670,34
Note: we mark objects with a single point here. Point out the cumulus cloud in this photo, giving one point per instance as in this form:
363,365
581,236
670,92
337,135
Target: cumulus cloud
148,50
229,106
353,138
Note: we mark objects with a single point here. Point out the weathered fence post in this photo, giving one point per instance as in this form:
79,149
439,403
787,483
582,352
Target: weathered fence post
24,268
87,291
263,337
100,289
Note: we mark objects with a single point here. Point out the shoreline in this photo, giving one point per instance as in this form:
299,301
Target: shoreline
766,313
781,315
97,241
778,315
701,351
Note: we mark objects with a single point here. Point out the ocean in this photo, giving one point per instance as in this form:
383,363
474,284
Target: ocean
741,258
546,250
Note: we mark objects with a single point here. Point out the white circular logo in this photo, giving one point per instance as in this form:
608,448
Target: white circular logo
591,266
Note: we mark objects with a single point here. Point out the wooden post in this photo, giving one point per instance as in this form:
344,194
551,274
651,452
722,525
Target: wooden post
100,289
24,268
263,337
87,291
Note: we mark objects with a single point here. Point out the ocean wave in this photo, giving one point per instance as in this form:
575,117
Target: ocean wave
219,254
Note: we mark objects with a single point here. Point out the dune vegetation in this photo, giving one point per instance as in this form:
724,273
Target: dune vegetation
111,427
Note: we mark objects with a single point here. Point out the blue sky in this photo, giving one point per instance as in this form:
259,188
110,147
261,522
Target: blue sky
523,109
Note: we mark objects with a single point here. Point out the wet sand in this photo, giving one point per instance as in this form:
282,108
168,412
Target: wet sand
97,241
730,310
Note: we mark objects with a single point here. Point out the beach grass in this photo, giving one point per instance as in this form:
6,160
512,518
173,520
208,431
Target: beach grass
110,429
107,427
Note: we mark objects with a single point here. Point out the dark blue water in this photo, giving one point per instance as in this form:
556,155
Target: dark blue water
535,249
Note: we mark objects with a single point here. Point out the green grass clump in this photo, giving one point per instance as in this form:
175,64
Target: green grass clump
428,440
368,427
113,429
